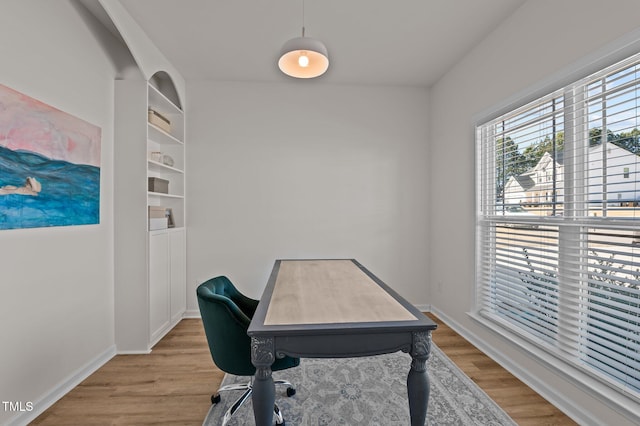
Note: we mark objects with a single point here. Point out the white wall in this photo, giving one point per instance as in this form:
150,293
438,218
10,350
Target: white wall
544,38
56,289
301,170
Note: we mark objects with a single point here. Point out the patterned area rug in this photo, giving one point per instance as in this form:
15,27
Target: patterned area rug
369,391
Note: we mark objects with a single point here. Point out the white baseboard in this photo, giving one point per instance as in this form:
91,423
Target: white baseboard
47,400
423,308
147,352
192,314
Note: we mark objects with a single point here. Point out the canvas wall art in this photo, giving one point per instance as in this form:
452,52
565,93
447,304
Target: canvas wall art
49,165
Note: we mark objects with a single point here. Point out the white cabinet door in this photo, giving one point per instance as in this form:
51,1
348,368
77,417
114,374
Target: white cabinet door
158,284
178,274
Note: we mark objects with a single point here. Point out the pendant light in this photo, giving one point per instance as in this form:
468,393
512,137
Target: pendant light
303,57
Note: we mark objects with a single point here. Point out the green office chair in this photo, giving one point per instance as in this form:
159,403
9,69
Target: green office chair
226,314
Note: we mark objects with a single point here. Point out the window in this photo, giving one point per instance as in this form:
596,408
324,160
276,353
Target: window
558,242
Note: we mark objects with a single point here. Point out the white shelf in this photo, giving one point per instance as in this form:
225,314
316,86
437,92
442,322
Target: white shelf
158,135
161,103
162,195
162,168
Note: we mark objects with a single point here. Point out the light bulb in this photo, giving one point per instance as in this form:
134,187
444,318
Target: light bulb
303,60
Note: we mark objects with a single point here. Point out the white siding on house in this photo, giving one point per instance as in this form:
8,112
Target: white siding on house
620,183
614,186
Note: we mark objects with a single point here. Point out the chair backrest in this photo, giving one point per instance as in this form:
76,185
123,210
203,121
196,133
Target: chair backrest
226,315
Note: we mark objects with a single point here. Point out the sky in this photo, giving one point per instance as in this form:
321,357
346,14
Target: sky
31,125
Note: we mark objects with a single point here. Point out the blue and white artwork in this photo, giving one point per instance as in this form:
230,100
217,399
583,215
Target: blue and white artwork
49,165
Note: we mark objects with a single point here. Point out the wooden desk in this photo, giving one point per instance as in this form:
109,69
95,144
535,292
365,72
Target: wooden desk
335,309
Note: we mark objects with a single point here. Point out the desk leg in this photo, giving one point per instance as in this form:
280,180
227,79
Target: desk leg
263,398
418,379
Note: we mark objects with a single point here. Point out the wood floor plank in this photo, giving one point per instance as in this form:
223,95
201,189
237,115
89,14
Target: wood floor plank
172,385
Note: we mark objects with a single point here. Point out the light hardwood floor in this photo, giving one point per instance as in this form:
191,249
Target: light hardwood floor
172,385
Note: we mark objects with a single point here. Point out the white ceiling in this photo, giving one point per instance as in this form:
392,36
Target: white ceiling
382,42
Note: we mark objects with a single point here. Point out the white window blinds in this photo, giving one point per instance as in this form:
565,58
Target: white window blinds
558,192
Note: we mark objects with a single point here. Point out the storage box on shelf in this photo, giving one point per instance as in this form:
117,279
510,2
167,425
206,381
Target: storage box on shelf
157,184
158,218
159,120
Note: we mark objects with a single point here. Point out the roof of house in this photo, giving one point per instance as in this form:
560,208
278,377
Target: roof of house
525,181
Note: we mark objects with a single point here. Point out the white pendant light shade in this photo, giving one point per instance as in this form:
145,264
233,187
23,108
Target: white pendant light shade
303,57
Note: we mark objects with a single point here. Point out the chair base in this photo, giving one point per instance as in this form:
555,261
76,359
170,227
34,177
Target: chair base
248,390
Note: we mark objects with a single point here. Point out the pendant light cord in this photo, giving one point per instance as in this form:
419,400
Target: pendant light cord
302,18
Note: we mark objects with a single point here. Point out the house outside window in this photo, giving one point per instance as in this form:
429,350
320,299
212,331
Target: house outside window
564,272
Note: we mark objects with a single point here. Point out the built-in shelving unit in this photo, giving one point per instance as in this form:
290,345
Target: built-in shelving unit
150,261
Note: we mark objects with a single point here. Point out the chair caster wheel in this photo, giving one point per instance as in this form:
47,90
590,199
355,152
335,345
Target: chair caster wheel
215,398
290,392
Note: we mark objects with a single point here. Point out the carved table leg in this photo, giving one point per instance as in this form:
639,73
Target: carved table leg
263,398
418,380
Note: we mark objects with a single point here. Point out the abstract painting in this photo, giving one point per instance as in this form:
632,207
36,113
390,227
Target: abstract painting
49,165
